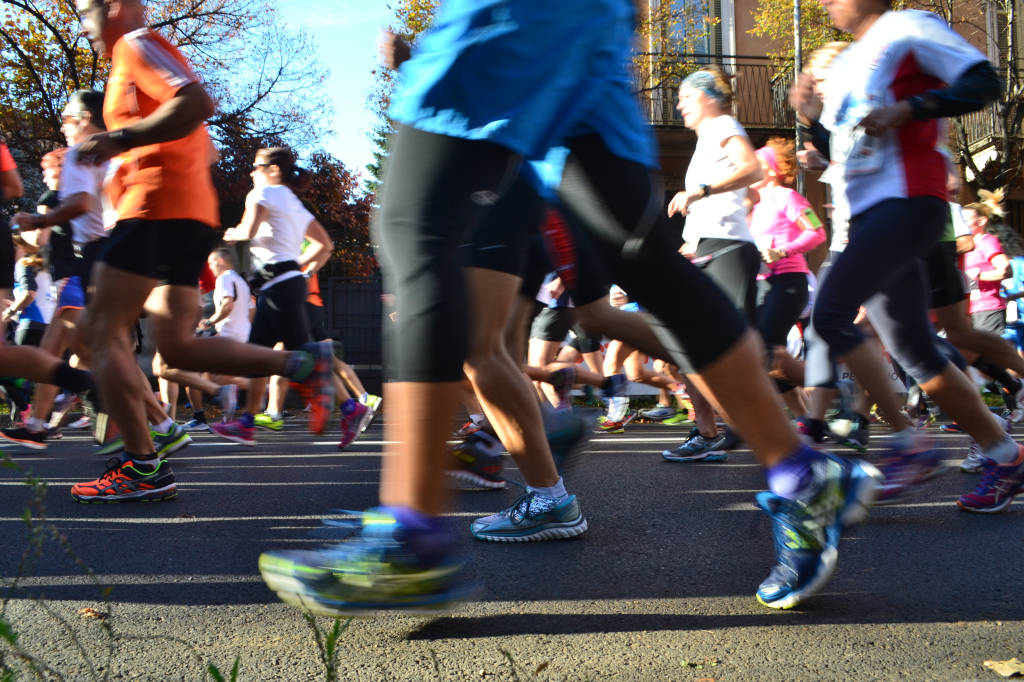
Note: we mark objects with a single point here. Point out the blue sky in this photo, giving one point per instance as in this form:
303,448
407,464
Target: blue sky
345,33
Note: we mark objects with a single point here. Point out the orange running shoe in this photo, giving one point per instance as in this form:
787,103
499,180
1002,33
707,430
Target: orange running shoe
128,482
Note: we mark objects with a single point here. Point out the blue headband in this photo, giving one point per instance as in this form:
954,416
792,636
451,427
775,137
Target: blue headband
705,82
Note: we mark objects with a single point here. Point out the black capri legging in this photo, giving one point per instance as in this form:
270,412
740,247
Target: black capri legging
733,266
784,299
281,315
882,269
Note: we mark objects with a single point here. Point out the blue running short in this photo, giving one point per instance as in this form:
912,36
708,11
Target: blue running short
70,293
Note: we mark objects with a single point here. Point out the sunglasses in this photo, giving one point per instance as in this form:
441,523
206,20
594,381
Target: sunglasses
259,165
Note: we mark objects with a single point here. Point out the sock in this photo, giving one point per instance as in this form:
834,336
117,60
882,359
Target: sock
348,407
299,366
363,397
164,426
477,418
1004,452
34,425
904,440
792,475
149,462
555,492
999,374
426,536
199,416
246,420
277,416
75,380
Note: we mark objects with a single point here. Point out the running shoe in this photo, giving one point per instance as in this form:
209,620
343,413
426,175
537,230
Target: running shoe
166,444
478,462
568,434
680,417
618,408
850,430
267,421
997,488
236,431
658,412
812,429
905,470
22,435
807,531
128,482
952,427
468,428
373,402
562,380
727,440
531,518
697,448
195,425
317,389
975,460
606,425
383,566
353,423
110,447
82,422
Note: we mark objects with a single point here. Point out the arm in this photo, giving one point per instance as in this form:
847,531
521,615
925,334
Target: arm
173,120
255,214
964,244
72,207
1000,269
748,171
224,308
319,250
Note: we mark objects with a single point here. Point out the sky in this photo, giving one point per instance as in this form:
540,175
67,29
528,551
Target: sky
345,33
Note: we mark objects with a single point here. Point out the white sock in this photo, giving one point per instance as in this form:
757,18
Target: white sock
35,425
555,492
904,440
164,426
364,397
1003,452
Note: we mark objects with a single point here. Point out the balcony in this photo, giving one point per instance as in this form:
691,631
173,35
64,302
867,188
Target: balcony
761,90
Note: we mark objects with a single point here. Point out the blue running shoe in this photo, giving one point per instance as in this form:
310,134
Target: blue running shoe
807,531
531,518
658,412
805,559
384,566
697,448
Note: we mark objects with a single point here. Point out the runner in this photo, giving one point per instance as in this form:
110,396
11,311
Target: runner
453,157
155,107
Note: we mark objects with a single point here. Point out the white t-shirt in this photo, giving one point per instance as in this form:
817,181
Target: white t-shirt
279,238
231,285
722,215
76,178
902,54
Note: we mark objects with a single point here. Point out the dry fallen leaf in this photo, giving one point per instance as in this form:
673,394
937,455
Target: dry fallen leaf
92,613
1010,668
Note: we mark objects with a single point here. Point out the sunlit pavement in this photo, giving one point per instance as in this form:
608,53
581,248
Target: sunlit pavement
660,587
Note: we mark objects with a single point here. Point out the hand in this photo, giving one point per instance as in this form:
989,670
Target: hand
811,159
687,250
618,299
885,118
231,235
205,324
770,256
556,288
973,273
8,315
98,149
804,99
27,221
393,51
681,202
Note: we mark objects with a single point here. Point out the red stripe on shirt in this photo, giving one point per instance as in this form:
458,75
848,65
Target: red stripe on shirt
923,166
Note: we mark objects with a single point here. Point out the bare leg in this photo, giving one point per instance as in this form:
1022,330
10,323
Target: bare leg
509,403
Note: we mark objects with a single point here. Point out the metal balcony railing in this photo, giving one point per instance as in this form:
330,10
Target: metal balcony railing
980,127
761,89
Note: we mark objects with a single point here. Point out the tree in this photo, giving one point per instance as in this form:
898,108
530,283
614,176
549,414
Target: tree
343,208
263,78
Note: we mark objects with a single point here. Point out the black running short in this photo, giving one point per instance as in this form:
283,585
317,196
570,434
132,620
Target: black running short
317,315
552,324
281,315
990,321
171,251
945,282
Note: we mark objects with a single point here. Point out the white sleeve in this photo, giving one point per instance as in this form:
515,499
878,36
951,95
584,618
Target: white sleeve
960,227
724,128
938,49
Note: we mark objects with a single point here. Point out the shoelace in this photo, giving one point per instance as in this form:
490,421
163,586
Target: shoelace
991,475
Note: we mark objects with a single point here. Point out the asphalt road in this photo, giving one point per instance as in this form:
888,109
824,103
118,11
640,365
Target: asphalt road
662,582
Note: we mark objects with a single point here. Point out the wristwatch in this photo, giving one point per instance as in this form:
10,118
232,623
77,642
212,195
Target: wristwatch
705,190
